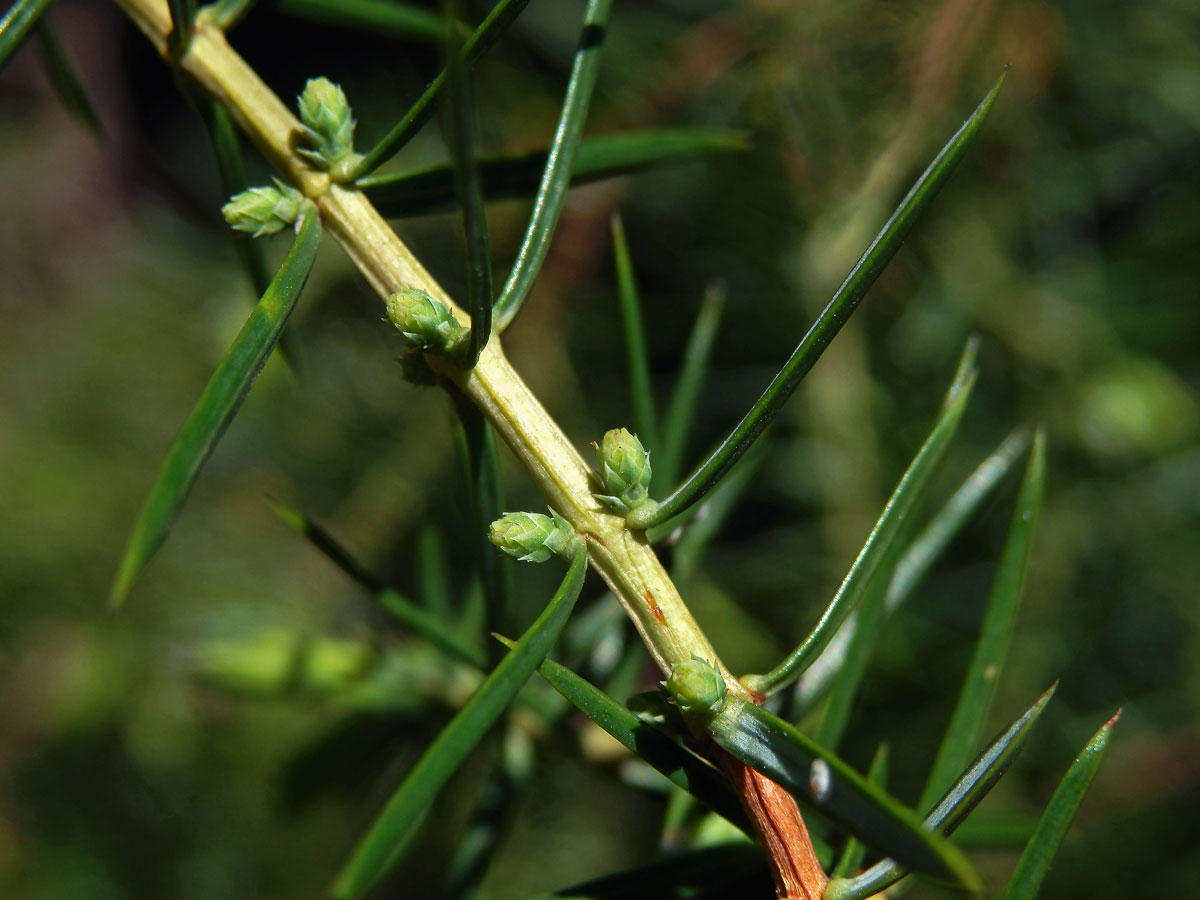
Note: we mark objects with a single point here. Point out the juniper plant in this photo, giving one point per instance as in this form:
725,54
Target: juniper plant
710,732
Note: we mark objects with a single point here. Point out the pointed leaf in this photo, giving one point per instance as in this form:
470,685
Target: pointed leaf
866,621
905,498
819,779
676,877
329,546
433,573
553,188
231,170
468,190
483,473
684,769
183,18
375,854
999,620
376,16
928,546
645,419
835,314
423,622
401,194
972,786
478,844
681,411
995,832
710,517
915,562
1052,828
855,850
482,39
681,806
218,404
67,83
864,626
16,24
430,627
981,776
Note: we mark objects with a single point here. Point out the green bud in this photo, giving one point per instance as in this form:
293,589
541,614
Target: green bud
328,124
265,210
696,686
424,321
532,537
625,470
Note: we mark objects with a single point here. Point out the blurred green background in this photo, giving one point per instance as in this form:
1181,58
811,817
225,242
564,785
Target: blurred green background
168,752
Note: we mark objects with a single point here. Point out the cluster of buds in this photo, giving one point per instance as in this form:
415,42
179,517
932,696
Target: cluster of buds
624,470
329,127
266,210
533,537
427,323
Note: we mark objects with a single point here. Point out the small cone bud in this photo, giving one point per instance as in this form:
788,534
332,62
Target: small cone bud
264,210
532,537
696,686
328,122
624,469
427,323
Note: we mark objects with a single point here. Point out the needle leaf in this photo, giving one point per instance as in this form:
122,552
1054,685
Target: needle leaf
845,300
231,170
822,781
183,18
557,176
403,194
482,39
854,851
681,409
911,489
482,460
422,621
468,190
218,404
929,545
999,620
16,24
721,867
645,420
915,562
376,853
1052,828
65,79
966,793
378,16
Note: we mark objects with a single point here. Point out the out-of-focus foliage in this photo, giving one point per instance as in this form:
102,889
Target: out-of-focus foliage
229,731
